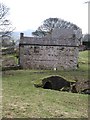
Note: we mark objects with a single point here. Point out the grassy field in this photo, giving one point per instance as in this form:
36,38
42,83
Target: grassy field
22,100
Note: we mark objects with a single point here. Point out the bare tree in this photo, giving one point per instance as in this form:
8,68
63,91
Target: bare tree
51,23
5,24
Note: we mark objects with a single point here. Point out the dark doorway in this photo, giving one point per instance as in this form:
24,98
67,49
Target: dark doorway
47,85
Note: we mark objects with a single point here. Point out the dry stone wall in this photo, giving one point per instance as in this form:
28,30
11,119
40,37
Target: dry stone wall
48,57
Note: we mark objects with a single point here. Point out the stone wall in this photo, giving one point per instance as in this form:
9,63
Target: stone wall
48,57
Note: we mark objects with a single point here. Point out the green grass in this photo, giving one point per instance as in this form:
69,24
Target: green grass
22,100
83,56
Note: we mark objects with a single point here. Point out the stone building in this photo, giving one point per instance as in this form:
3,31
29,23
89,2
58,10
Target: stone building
58,50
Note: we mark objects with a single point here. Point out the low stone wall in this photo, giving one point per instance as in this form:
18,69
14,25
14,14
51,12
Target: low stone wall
16,67
9,50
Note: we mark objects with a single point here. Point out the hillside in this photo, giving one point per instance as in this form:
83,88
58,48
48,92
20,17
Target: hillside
22,100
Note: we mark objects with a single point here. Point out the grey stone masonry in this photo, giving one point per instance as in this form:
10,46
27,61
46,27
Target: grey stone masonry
58,50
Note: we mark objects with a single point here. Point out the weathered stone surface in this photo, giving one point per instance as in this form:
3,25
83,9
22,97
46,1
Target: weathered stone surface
49,57
53,52
50,41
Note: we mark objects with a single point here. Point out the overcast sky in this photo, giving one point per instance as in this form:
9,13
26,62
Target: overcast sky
29,14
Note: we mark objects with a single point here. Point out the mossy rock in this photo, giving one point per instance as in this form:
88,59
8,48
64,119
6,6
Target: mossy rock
54,82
